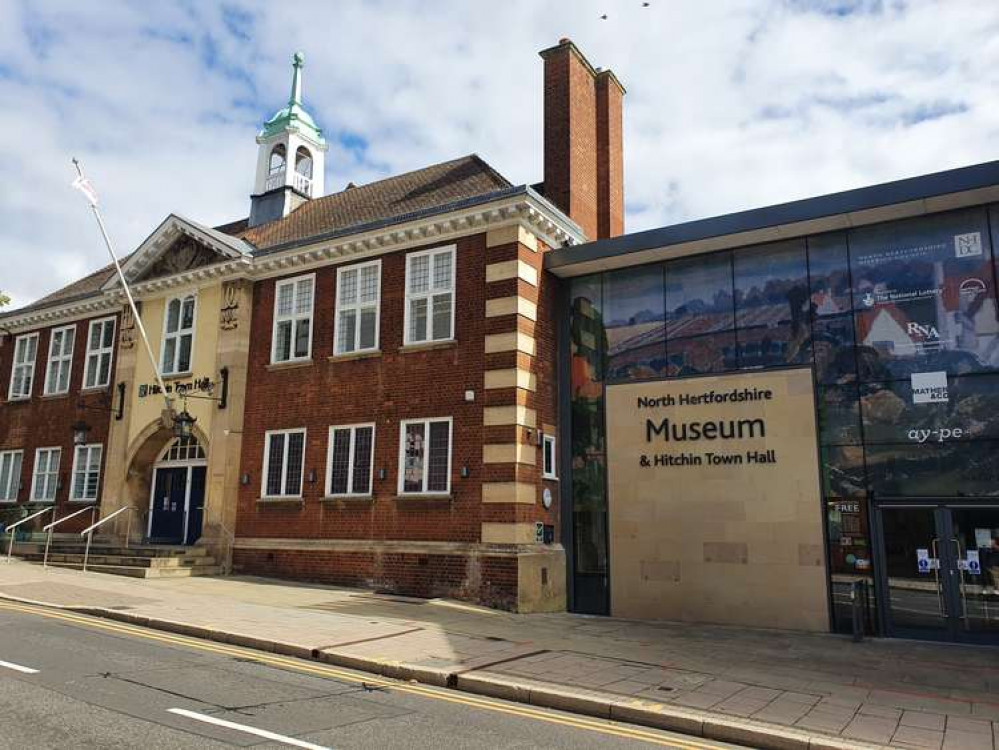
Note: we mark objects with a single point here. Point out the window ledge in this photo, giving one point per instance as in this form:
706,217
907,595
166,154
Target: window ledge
18,399
281,500
54,396
424,346
290,365
94,389
433,496
178,375
80,502
348,498
348,356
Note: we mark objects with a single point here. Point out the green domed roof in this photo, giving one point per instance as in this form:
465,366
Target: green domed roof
294,116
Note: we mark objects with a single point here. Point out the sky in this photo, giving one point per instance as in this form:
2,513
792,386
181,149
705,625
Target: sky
731,104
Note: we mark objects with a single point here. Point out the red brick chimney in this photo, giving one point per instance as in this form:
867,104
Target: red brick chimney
584,151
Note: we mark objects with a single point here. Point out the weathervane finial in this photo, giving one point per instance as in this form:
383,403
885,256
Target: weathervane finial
297,61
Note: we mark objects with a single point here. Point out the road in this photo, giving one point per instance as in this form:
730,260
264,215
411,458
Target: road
70,681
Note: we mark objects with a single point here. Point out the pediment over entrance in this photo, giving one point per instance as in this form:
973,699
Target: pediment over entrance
180,246
185,254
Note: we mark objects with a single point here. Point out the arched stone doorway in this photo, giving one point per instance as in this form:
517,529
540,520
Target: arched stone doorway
177,500
166,484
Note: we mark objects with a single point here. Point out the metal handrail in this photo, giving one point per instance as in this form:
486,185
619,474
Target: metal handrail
10,549
89,531
48,540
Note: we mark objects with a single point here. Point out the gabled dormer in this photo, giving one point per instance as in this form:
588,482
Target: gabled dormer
290,160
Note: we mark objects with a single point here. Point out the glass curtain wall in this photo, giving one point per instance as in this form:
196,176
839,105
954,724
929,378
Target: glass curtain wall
899,322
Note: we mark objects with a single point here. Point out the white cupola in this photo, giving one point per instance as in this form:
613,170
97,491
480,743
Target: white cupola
291,158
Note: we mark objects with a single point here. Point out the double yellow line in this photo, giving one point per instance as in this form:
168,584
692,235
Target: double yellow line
322,670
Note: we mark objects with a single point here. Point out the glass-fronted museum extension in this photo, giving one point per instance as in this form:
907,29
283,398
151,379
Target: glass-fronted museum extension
896,324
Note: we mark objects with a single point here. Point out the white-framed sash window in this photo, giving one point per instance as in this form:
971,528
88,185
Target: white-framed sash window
22,375
425,456
60,365
45,479
178,335
358,293
86,473
10,475
100,349
429,312
284,463
350,460
549,462
293,302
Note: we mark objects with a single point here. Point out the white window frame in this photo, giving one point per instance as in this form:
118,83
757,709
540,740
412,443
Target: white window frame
284,463
357,306
179,334
88,447
548,443
98,353
429,295
350,461
58,359
51,477
426,458
29,367
8,493
293,317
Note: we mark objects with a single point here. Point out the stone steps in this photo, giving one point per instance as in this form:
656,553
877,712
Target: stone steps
135,561
133,571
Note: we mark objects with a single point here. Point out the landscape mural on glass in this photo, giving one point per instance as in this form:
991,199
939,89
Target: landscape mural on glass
899,321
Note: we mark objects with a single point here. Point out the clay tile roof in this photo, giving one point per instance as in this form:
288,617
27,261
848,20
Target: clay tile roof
427,188
436,185
79,289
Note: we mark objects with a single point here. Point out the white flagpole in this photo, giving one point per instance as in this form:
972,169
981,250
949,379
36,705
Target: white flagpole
92,199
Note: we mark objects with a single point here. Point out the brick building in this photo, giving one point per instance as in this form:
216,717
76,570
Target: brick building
57,368
388,356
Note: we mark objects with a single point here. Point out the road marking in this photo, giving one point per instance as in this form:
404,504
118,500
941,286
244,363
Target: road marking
247,730
17,667
322,670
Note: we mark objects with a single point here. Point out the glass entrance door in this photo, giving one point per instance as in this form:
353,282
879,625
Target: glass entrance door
975,538
940,571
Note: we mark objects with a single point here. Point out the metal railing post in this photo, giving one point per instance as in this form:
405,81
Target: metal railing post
90,538
10,548
48,543
128,530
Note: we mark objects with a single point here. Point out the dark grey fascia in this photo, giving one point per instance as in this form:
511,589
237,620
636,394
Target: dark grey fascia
940,191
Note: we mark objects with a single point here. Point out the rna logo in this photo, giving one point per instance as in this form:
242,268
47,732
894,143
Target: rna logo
967,245
928,332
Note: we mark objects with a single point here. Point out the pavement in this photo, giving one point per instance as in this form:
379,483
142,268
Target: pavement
80,682
754,687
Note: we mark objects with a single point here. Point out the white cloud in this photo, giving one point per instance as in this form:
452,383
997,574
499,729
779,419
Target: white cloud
731,104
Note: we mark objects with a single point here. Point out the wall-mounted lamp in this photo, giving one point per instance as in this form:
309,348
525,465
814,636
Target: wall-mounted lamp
183,424
80,430
312,476
465,473
245,479
382,474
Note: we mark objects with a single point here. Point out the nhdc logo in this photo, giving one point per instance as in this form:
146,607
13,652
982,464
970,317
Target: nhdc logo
967,245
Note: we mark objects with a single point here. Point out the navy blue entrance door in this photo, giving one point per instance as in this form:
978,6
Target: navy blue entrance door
169,499
178,504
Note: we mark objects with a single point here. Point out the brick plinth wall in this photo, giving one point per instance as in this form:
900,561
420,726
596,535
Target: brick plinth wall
491,581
